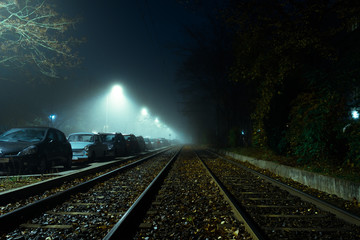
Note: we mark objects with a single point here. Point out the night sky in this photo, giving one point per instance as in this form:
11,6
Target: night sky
134,43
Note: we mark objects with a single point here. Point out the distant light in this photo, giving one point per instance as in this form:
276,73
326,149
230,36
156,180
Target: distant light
52,117
355,114
144,112
117,91
156,120
242,132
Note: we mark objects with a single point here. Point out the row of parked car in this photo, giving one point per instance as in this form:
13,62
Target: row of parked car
90,146
40,148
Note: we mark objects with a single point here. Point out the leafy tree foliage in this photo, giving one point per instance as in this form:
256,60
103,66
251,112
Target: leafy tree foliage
32,33
305,44
295,64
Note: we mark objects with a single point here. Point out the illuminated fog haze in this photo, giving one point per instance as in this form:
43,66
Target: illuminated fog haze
120,42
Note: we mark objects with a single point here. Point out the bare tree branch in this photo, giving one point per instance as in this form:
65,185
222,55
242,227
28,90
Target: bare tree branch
31,32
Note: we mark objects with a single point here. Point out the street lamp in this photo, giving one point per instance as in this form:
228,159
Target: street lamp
116,96
117,92
52,118
144,112
355,114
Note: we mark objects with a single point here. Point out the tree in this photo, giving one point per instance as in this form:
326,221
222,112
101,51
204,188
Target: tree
32,33
278,42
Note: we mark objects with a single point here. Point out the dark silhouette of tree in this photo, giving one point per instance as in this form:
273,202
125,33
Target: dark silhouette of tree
294,53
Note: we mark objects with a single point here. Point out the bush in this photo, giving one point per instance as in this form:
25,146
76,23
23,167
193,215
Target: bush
314,126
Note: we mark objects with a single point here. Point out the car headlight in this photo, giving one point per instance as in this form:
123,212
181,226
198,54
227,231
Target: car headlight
29,150
86,148
110,146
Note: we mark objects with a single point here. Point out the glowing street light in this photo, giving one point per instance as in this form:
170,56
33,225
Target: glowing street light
144,112
116,96
355,114
52,118
117,92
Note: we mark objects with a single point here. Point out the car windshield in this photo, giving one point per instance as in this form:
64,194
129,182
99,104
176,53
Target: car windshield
23,135
108,137
81,138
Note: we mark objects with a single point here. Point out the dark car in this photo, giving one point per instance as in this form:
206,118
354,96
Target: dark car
116,144
164,142
132,144
155,142
34,148
148,144
141,143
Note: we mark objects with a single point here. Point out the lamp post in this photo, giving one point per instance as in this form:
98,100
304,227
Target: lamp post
116,95
106,127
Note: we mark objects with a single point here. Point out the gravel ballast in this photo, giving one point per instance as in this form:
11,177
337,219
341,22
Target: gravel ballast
190,206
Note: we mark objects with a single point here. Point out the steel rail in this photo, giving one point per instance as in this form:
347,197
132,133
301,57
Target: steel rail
321,204
13,219
127,226
17,194
240,213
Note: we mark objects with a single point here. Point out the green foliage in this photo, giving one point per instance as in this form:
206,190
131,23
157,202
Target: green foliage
307,44
314,126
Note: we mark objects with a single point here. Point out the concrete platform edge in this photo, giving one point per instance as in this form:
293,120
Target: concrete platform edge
342,188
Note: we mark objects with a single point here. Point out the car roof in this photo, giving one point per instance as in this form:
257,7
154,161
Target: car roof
87,133
34,127
110,133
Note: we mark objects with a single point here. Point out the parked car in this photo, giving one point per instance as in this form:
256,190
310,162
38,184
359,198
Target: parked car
155,142
141,142
87,146
148,144
132,144
116,144
164,142
34,148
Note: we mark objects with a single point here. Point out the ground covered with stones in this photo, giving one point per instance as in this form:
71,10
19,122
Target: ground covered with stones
271,206
91,214
190,206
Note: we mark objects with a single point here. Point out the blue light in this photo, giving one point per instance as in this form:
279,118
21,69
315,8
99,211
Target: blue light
355,114
52,116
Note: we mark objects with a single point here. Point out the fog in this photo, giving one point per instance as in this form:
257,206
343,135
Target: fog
98,110
127,44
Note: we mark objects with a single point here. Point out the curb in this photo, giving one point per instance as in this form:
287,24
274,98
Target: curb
342,188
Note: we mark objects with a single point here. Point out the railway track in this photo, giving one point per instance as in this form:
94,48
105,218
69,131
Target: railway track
87,210
277,211
18,197
187,205
183,195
